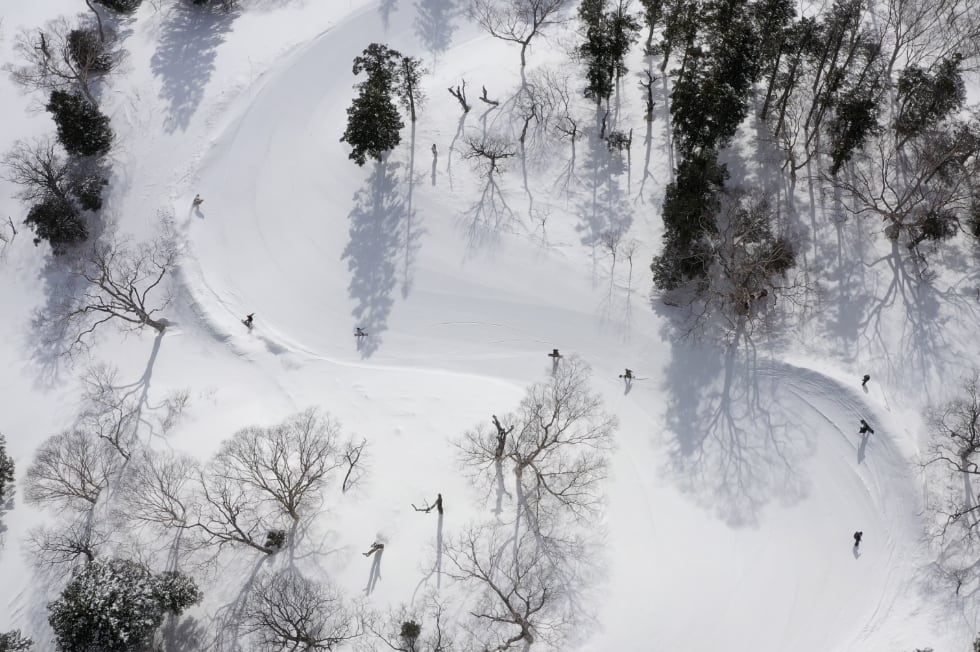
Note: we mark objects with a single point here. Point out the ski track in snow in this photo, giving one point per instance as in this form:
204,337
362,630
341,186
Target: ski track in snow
276,236
883,474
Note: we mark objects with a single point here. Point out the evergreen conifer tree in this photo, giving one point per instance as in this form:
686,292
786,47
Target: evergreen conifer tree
82,129
115,605
373,122
6,468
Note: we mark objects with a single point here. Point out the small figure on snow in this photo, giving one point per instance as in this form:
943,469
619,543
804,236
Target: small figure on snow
554,355
375,547
865,428
857,538
628,376
438,504
435,152
197,201
864,381
359,332
248,320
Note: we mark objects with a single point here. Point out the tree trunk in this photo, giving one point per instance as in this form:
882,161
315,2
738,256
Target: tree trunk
98,19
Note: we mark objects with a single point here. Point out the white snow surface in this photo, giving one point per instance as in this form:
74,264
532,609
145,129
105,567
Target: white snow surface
737,479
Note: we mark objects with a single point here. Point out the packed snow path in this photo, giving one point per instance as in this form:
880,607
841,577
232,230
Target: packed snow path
737,484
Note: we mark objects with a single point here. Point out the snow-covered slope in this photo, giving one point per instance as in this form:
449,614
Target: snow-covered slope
738,478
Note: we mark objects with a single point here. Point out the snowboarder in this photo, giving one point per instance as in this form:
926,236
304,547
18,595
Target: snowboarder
197,201
865,428
375,547
864,381
248,320
857,538
359,332
628,375
554,354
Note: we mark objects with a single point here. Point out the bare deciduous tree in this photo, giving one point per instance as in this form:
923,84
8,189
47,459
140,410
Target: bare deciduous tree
417,629
287,463
955,444
519,596
287,611
70,470
63,56
157,489
67,543
123,282
920,189
223,512
558,448
751,259
489,152
107,412
355,465
518,21
38,169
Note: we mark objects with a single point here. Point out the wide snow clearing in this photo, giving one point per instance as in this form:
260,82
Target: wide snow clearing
738,475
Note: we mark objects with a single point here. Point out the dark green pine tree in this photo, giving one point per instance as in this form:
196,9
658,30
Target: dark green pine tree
116,605
6,468
82,129
624,29
122,6
924,100
596,51
56,220
856,119
653,13
373,122
690,205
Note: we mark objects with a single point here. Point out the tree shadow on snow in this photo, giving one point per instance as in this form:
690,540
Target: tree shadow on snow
731,443
227,620
375,227
605,211
434,24
185,58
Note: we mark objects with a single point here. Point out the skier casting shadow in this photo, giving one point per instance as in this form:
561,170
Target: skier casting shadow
857,544
377,551
555,357
627,380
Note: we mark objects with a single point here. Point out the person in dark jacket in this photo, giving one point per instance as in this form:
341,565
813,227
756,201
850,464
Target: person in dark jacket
865,428
864,381
857,538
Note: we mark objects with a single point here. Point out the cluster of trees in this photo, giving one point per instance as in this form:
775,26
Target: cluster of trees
62,181
608,36
542,467
373,121
720,247
252,494
834,97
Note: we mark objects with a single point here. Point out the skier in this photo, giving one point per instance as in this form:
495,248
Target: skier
554,354
435,152
628,375
865,428
248,320
197,201
864,381
359,332
857,538
438,504
375,547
